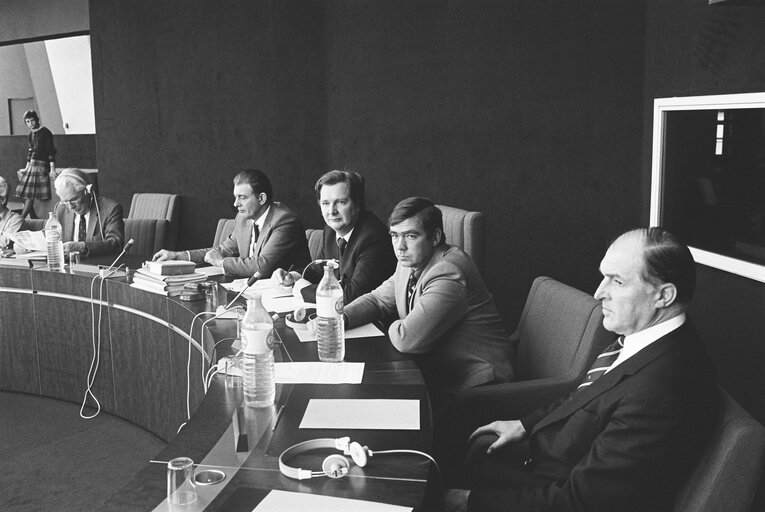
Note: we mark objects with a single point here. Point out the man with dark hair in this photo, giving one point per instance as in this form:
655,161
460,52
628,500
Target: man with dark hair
267,234
627,437
438,306
352,236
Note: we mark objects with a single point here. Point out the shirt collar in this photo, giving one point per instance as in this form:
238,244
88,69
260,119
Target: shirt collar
262,219
636,342
346,237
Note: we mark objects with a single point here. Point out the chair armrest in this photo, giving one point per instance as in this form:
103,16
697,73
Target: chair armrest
509,401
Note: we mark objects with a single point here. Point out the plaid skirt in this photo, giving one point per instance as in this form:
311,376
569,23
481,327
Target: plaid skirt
34,181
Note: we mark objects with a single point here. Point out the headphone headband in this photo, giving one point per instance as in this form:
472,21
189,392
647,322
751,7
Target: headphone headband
334,466
77,175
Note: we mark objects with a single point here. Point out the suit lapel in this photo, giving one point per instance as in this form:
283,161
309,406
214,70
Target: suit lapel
403,280
634,364
266,231
91,231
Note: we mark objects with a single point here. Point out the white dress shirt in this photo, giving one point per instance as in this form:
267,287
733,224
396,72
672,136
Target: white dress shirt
636,342
77,220
258,222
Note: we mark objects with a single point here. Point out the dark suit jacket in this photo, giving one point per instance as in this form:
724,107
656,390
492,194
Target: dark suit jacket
281,243
110,213
368,259
624,443
454,328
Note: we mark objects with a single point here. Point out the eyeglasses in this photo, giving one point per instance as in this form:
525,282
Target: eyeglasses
73,202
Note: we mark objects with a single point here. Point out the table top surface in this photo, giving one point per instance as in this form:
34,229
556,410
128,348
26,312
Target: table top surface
209,437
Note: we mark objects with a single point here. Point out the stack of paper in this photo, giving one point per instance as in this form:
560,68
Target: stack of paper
170,285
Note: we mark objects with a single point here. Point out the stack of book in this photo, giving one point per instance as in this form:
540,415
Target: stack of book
166,277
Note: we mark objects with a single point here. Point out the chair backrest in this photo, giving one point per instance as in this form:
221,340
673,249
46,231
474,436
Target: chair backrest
159,206
465,229
560,332
728,474
149,236
225,227
314,242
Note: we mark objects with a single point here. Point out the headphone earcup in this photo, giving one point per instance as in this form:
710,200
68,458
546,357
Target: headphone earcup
335,466
358,454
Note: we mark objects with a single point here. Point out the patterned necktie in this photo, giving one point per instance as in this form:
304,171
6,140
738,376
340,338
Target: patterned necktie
341,243
81,230
603,362
410,284
254,239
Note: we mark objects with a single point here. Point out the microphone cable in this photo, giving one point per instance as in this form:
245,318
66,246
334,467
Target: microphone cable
95,333
250,282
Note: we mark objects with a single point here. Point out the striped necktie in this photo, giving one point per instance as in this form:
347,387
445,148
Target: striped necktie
603,362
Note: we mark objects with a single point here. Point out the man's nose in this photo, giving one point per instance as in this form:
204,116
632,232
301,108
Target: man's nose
600,293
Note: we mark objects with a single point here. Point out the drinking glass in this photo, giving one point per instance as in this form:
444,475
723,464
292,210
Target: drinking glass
181,489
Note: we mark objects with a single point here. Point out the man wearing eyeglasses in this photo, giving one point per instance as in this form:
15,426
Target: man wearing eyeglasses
91,224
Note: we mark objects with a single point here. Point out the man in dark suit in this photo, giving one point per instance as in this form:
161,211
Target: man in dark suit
266,235
628,436
91,224
352,235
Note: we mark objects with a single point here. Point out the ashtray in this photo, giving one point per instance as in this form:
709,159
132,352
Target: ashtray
209,477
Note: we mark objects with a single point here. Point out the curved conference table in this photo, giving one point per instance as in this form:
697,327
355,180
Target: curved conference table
46,349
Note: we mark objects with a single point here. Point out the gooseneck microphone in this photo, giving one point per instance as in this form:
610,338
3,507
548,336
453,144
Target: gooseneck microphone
104,273
250,282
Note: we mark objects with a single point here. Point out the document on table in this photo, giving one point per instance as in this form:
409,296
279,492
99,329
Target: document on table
212,270
279,501
365,414
281,303
318,373
31,240
363,331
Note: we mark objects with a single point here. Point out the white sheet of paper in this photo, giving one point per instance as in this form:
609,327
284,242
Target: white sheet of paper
281,304
319,373
363,331
279,501
211,271
30,240
263,287
367,414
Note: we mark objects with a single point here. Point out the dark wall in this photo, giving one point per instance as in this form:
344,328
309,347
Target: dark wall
527,110
696,49
186,93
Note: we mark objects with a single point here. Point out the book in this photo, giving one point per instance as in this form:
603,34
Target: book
170,291
160,278
170,268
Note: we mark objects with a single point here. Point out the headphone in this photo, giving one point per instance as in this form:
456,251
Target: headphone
80,177
334,466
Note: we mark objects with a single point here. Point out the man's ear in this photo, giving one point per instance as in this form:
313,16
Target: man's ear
437,235
667,295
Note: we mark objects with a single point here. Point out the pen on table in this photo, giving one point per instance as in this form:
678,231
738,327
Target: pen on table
278,417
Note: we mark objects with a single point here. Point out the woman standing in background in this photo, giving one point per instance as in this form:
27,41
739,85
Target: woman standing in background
34,180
